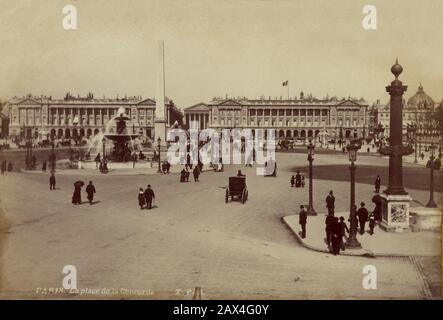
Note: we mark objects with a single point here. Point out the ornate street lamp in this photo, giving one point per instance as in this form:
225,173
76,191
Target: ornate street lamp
352,241
412,137
431,203
158,145
310,148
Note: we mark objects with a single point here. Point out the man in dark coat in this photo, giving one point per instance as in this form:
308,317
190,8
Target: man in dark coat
149,195
90,190
336,236
196,173
302,219
330,203
377,210
52,182
362,214
328,222
377,183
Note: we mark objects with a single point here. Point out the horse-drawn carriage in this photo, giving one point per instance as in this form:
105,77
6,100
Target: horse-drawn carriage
237,189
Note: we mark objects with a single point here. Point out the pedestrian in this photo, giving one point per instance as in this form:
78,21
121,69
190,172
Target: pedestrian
297,179
44,166
183,175
34,161
3,167
149,196
368,149
336,236
422,156
10,166
376,199
196,173
302,181
328,222
344,230
371,223
377,183
168,167
141,198
302,219
97,160
52,182
292,181
134,159
362,214
330,203
77,195
90,190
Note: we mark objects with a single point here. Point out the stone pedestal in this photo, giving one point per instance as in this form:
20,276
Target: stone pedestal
395,212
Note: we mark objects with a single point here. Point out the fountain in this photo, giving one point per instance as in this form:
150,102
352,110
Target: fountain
116,138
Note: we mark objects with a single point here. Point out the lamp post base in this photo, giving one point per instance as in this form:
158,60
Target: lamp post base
311,211
352,243
431,204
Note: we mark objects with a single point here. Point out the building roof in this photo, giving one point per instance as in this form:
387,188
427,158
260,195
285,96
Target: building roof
89,99
420,100
242,101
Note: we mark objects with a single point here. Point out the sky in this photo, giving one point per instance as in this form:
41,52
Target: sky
219,48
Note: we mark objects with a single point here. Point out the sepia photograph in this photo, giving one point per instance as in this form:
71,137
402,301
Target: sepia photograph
221,150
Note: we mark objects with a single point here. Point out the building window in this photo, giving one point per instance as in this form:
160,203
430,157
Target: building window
252,112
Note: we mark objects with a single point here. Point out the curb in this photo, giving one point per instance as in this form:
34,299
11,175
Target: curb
367,254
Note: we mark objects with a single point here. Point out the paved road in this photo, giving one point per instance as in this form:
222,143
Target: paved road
192,238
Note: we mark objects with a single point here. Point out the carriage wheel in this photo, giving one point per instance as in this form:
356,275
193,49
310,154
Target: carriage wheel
227,196
247,194
243,196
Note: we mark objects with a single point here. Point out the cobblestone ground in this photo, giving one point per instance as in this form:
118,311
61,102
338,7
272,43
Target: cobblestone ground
192,238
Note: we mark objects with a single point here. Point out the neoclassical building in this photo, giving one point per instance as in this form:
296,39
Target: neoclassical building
44,117
418,110
294,118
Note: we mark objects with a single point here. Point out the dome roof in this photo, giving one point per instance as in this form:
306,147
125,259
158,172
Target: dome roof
420,100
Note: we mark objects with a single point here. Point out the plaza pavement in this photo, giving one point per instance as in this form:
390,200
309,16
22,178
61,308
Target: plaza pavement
191,238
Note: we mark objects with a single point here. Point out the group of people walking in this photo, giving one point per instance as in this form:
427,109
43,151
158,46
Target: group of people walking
298,180
336,229
145,197
77,195
184,174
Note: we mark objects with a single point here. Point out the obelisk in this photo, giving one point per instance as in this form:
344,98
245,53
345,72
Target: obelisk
160,109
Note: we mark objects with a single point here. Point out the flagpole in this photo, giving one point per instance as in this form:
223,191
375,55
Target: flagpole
288,90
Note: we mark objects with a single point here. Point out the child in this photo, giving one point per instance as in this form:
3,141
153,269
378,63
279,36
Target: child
371,223
302,181
141,198
292,181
